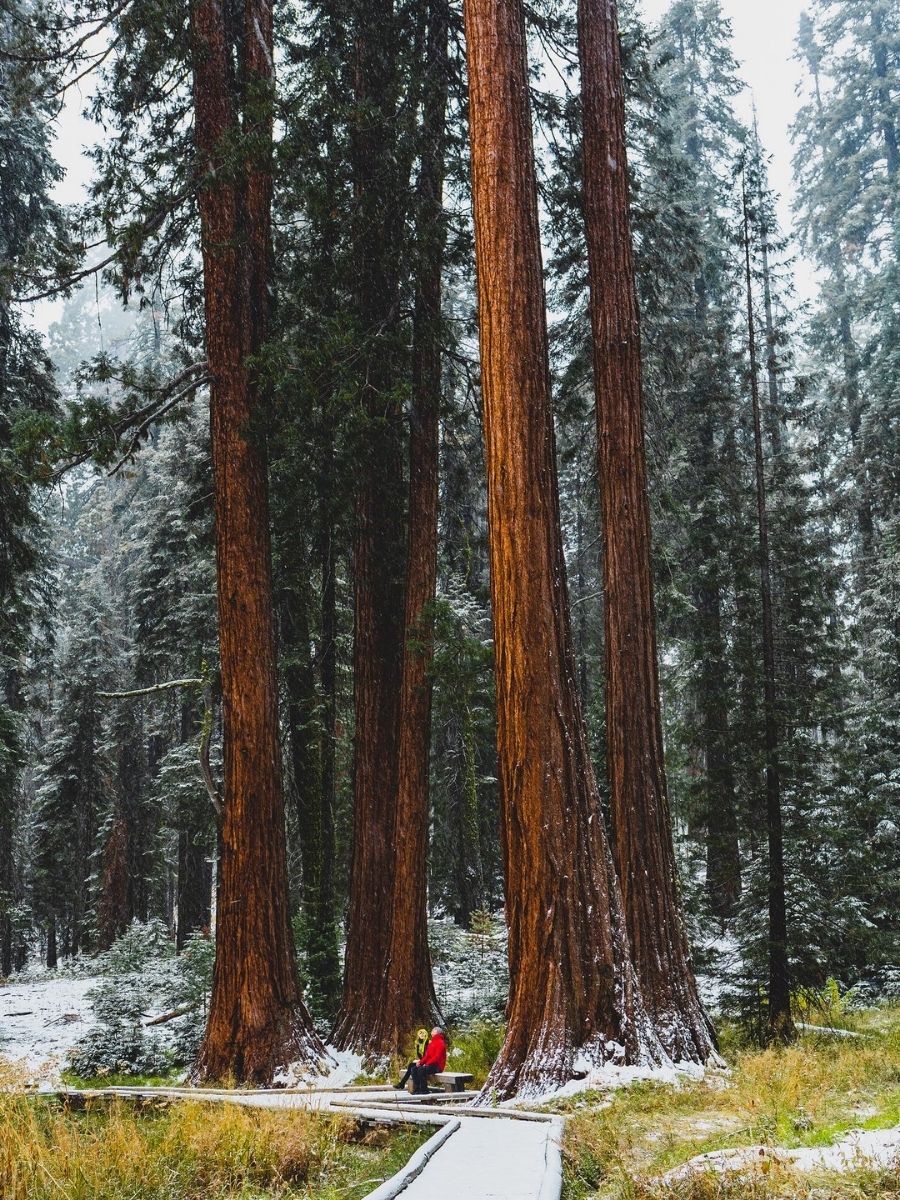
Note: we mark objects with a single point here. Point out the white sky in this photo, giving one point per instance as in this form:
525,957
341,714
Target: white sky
764,32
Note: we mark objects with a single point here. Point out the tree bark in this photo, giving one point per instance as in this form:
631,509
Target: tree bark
409,997
723,856
194,884
257,1020
572,985
639,807
780,1024
112,911
379,536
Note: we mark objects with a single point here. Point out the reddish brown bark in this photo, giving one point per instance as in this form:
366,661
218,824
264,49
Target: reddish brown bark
112,911
257,1020
409,998
639,808
379,549
572,986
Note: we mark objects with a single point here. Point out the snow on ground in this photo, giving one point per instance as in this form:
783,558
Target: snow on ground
611,1076
339,1070
860,1148
40,1021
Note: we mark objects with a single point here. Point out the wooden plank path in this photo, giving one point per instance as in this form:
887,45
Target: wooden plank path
476,1154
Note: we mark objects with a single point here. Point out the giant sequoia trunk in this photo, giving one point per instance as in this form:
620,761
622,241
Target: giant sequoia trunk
780,1024
379,550
409,998
257,1020
572,986
639,807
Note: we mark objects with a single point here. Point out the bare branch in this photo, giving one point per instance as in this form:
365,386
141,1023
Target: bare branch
148,691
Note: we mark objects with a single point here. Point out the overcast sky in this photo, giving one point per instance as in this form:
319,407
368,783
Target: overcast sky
764,33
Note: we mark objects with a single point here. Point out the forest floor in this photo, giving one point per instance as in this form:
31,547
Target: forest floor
40,1022
819,1119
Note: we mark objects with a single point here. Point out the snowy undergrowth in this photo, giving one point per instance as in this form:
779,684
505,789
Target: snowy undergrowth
95,1025
41,1020
806,1098
471,972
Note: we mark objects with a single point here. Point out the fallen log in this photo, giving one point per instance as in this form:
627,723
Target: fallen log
181,1011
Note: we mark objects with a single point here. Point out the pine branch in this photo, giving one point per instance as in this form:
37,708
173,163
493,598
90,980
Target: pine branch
157,415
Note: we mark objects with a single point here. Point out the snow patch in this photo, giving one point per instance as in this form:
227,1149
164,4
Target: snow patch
859,1149
40,1022
338,1070
611,1076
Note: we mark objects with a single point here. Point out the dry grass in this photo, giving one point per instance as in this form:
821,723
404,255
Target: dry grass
807,1094
186,1151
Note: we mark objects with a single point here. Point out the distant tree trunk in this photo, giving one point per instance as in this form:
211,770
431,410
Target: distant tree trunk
194,885
723,856
886,101
7,884
774,421
639,807
314,822
572,985
192,891
51,944
409,989
780,1024
257,1020
379,537
469,888
112,914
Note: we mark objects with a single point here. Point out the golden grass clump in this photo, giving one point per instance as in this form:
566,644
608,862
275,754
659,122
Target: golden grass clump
186,1151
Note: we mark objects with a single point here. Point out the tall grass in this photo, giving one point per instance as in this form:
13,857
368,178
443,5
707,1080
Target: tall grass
806,1094
187,1151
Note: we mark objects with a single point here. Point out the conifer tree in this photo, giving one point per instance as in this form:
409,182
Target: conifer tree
572,982
642,834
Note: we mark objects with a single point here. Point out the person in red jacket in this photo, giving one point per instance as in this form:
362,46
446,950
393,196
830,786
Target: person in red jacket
433,1060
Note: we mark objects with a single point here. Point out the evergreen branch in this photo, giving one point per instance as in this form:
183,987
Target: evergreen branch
146,415
96,60
154,416
64,285
215,795
70,51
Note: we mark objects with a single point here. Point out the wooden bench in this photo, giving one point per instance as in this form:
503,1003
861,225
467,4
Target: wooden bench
452,1081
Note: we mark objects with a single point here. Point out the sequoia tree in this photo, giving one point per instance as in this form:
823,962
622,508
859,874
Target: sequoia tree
257,1020
409,997
573,989
378,551
642,834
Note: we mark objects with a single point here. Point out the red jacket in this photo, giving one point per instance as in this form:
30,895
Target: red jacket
435,1053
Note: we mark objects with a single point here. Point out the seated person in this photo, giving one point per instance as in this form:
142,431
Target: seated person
431,1062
